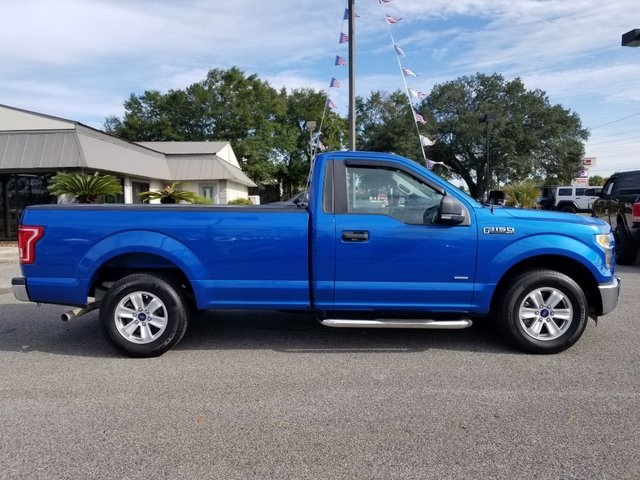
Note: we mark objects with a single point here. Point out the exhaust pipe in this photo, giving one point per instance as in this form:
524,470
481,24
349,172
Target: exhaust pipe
79,311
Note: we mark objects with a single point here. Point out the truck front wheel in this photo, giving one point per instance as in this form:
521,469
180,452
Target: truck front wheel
543,311
625,250
144,315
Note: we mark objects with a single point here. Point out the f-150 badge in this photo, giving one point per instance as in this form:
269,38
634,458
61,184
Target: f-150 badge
499,230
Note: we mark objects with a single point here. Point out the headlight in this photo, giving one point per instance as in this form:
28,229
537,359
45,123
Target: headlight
605,240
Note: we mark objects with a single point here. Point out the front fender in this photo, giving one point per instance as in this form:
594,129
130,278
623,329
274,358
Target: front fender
590,256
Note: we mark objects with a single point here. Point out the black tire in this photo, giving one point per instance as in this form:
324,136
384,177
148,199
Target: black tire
543,311
144,315
626,251
568,209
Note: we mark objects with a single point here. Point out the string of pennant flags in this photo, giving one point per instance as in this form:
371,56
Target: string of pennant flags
413,95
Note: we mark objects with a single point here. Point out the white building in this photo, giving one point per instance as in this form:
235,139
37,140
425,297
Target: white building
34,146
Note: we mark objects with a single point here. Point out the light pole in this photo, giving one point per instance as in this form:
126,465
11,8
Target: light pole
310,126
631,38
487,118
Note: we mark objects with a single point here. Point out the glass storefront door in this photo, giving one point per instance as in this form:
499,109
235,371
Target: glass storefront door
17,191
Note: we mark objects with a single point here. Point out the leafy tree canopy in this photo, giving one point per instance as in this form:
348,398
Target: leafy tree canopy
529,137
265,126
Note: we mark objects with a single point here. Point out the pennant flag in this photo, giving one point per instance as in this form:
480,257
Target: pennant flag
419,118
425,142
346,14
340,60
334,83
344,38
399,51
383,1
391,20
408,73
416,93
330,105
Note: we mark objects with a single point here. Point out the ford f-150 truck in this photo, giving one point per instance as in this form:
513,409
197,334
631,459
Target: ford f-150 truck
382,243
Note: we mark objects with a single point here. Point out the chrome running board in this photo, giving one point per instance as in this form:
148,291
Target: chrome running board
397,323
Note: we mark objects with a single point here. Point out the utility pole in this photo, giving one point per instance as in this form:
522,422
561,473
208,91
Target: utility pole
488,118
352,77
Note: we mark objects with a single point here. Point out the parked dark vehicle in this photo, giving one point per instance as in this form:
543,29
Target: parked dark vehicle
619,204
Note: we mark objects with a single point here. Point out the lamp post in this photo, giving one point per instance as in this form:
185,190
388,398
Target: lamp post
631,38
310,126
487,118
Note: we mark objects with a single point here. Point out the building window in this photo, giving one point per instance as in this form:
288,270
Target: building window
210,192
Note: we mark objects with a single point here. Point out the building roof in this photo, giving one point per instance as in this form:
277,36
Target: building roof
185,148
30,140
206,167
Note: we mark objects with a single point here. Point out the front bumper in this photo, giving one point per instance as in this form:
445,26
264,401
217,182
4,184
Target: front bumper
609,293
19,286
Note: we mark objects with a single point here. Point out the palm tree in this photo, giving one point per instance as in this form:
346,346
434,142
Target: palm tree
84,188
173,193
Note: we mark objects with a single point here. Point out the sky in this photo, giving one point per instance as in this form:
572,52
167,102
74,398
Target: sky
81,59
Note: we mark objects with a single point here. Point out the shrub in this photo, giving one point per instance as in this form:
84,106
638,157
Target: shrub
240,201
174,193
522,194
84,188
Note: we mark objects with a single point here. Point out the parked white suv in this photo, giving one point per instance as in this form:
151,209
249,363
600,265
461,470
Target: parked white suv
569,198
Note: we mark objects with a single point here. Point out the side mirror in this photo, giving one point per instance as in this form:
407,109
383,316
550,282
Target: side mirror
451,211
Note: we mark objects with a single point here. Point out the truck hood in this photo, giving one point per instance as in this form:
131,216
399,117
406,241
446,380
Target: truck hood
547,216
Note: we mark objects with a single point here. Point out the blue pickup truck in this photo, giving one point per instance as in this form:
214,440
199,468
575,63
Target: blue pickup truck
382,243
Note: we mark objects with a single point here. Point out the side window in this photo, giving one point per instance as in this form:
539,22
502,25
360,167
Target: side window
386,191
580,191
565,192
608,188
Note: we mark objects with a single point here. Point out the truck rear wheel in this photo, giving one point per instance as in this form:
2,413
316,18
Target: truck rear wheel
144,315
568,209
543,311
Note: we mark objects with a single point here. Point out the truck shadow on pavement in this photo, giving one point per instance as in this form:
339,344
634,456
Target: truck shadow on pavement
27,327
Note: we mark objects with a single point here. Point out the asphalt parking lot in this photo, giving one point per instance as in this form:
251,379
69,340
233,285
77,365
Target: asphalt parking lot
273,395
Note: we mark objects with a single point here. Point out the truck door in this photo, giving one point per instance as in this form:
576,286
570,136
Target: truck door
390,252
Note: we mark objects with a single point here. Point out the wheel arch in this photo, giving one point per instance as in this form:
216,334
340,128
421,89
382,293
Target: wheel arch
140,252
568,266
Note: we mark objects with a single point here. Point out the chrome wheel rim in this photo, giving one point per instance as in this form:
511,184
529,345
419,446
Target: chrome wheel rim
545,314
141,317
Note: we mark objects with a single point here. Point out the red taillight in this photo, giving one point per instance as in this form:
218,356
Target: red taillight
27,238
635,213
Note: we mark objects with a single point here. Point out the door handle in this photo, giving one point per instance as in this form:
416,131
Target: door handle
355,236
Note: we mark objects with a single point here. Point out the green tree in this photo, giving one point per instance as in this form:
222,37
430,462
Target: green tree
84,188
297,143
596,181
528,138
385,124
227,105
